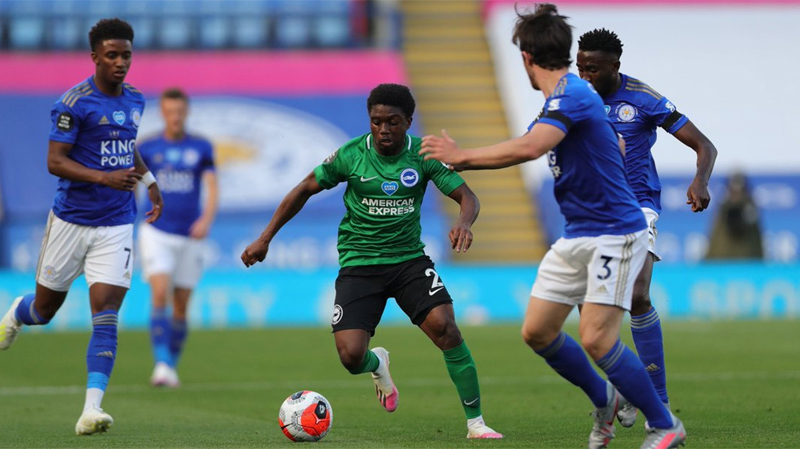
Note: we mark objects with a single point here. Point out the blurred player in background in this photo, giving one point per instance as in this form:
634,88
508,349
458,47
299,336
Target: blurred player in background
380,249
90,229
172,248
605,238
637,111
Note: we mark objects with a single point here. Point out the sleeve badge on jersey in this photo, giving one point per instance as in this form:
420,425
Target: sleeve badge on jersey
331,158
670,106
555,104
65,122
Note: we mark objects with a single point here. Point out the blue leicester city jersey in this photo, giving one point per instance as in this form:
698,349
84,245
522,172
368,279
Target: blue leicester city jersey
178,167
636,111
102,130
588,167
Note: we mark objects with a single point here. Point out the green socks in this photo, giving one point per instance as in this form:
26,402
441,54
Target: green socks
369,364
464,374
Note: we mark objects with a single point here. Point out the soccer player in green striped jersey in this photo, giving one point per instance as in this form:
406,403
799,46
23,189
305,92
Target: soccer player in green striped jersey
381,251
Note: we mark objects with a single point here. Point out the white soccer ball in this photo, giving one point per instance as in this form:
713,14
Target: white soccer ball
305,416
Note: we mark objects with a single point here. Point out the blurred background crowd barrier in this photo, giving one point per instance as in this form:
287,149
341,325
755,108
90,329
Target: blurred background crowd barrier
278,85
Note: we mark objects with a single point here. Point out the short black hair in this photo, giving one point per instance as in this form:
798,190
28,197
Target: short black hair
601,39
545,35
396,95
175,93
107,29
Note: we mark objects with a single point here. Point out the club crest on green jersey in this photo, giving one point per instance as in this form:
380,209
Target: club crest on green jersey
409,177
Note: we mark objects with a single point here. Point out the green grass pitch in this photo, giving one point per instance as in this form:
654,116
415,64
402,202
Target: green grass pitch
734,384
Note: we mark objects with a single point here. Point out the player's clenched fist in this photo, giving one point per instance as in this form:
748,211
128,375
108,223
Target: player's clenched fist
255,252
124,179
154,193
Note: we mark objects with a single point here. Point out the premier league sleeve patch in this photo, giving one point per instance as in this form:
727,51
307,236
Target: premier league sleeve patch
65,121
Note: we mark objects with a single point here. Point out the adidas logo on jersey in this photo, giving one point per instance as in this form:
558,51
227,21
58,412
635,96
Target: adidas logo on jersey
602,289
103,121
108,354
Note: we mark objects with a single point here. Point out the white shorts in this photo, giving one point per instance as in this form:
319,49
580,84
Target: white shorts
599,270
177,256
652,232
104,253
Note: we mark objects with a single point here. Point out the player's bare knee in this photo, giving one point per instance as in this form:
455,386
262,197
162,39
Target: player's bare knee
537,338
351,360
640,302
596,344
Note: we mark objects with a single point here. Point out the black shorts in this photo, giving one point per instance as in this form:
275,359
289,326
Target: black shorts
362,292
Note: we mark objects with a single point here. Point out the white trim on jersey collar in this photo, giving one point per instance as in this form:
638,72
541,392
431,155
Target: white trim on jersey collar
369,141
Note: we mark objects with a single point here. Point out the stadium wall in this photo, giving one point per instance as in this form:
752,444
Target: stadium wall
482,295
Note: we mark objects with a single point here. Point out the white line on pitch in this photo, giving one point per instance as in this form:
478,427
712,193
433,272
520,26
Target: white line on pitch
359,383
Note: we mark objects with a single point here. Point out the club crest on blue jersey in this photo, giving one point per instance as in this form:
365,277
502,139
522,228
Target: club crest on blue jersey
626,113
389,187
191,157
119,117
136,117
409,177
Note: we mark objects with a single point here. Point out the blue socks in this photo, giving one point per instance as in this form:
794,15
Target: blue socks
567,358
177,337
27,314
628,375
646,330
167,337
102,349
160,336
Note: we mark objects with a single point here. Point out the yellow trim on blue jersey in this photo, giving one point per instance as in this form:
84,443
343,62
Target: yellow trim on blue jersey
642,86
75,91
560,87
650,92
637,85
75,100
130,88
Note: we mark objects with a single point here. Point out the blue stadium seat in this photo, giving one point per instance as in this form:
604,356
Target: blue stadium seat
142,15
175,26
251,26
175,32
66,33
214,25
26,32
213,32
292,31
27,26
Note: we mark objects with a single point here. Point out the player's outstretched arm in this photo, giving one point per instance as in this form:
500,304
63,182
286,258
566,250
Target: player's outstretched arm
461,234
697,195
541,139
59,164
291,204
153,191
